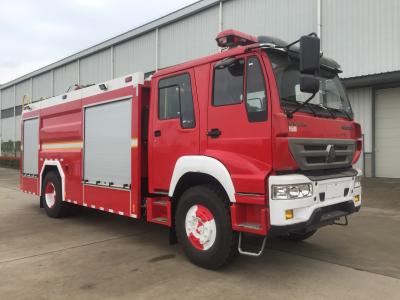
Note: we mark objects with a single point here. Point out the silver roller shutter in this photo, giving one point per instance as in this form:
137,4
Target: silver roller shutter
108,143
31,146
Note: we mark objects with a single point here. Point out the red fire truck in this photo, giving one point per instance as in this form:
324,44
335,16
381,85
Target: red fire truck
258,139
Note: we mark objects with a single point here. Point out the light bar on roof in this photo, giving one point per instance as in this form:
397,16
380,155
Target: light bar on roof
233,38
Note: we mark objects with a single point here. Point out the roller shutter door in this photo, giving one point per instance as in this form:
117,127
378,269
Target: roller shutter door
387,133
108,143
30,147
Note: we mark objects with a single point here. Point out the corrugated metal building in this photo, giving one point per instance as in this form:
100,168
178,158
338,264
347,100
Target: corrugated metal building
362,35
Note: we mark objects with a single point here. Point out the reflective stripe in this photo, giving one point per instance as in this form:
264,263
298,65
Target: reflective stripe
67,145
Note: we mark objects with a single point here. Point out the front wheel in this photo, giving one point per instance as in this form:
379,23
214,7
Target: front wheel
203,227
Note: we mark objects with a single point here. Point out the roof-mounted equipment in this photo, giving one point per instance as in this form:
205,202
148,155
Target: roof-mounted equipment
232,38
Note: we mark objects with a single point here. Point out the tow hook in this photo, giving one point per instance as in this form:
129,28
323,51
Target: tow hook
341,222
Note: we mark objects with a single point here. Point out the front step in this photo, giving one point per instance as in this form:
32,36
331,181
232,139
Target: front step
251,253
159,210
253,226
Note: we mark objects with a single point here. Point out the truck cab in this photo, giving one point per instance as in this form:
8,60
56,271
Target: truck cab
266,124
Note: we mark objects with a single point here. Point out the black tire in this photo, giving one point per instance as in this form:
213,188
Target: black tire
298,237
224,248
59,209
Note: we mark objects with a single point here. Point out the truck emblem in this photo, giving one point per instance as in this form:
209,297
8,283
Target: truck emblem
330,149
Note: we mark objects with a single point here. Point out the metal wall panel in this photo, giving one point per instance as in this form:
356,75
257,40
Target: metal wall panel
108,143
362,35
21,89
31,140
387,133
361,102
137,55
65,76
18,128
285,19
7,98
96,67
7,129
190,38
42,86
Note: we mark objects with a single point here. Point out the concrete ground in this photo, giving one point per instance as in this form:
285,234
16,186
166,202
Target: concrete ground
94,255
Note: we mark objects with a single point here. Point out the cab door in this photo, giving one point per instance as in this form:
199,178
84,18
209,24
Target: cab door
238,122
174,131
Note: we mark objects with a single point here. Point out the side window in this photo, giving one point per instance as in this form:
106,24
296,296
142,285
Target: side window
175,100
168,102
256,99
228,83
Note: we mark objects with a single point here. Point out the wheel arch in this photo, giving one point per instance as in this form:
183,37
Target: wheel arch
52,166
196,169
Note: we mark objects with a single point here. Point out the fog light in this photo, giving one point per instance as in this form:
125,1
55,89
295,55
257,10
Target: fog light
357,198
289,214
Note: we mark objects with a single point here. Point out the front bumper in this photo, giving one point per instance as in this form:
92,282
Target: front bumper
332,198
320,217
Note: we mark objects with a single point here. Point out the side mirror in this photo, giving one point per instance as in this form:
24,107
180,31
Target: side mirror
309,84
309,54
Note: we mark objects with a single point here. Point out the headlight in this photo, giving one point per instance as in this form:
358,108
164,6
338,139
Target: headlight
357,181
292,191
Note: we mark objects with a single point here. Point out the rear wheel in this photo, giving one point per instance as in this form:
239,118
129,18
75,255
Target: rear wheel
51,196
298,237
203,227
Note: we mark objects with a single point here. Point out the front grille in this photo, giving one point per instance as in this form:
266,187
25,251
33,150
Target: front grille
314,154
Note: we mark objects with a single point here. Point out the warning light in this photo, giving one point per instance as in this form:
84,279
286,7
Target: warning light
233,38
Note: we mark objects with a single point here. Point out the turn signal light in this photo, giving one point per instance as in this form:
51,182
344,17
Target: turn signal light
289,214
357,198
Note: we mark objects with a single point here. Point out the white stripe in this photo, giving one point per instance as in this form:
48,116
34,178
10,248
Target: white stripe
121,213
84,204
133,216
101,208
93,206
62,145
75,202
111,210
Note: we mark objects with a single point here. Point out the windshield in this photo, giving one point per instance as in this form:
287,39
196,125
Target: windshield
331,100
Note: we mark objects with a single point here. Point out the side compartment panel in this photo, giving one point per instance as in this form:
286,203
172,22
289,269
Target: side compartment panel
111,200
107,144
30,147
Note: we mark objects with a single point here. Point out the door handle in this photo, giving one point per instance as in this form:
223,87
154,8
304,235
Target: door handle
214,133
157,133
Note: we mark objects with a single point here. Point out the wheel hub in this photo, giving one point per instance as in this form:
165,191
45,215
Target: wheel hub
200,227
50,195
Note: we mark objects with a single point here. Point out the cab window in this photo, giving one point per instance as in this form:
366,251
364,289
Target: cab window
228,83
175,100
256,99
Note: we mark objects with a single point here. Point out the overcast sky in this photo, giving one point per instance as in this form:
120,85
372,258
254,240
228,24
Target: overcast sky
35,33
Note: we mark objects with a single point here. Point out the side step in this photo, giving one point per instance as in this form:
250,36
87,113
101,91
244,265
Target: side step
250,253
159,210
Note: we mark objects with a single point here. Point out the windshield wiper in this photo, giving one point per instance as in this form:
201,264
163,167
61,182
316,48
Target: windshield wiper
298,104
290,113
344,112
328,109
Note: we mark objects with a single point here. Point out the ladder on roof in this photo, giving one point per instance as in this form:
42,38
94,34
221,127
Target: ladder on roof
26,100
